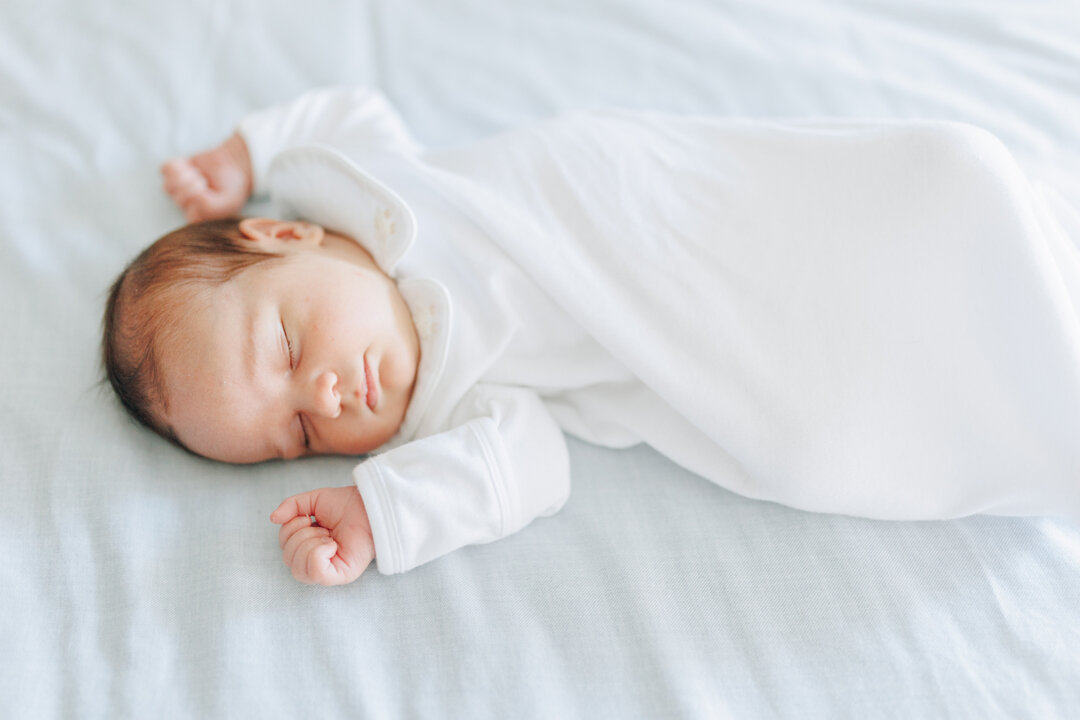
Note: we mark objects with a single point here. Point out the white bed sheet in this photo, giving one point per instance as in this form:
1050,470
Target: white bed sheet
141,582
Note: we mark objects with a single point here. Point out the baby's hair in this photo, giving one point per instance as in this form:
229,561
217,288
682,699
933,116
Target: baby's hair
150,295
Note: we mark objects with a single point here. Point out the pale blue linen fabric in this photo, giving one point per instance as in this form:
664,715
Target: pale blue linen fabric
138,581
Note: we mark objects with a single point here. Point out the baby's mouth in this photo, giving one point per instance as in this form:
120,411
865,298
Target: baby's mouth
372,395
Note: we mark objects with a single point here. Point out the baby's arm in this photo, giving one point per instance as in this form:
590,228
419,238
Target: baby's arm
337,548
357,121
502,463
218,182
213,184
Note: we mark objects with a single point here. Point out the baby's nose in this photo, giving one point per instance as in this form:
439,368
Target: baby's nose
327,400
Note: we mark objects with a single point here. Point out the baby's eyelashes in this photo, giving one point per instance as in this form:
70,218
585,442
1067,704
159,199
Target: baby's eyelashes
304,431
289,347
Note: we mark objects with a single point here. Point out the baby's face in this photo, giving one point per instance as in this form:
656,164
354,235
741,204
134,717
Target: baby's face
312,354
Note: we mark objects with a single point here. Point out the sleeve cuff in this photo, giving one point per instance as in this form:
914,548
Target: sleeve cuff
380,512
257,151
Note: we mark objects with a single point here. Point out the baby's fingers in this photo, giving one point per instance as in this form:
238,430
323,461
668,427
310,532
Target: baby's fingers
311,558
181,179
325,566
302,505
202,205
293,526
319,567
293,546
189,189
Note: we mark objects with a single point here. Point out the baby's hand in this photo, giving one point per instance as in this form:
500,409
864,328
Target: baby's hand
211,185
335,550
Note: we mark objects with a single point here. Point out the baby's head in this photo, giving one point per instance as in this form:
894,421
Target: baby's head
256,339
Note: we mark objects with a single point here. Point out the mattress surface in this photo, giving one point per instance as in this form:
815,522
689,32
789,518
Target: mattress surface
143,582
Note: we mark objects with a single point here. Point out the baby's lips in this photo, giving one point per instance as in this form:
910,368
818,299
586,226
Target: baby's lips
371,385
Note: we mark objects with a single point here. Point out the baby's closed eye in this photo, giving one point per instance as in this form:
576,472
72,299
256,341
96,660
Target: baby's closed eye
290,353
304,431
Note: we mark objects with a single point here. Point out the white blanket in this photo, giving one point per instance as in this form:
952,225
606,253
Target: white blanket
876,319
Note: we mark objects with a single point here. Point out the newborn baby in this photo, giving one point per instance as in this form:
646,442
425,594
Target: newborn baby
869,319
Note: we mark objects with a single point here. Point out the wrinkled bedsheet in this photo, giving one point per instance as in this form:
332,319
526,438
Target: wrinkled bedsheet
139,581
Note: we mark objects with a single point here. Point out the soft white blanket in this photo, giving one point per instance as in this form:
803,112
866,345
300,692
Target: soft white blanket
876,319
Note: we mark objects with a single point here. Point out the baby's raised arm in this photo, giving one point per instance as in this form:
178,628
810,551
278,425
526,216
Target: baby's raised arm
213,184
337,548
216,183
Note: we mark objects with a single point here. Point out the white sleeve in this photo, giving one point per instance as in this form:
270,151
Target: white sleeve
504,463
353,120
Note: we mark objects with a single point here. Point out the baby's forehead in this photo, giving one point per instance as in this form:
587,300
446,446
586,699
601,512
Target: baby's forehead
197,279
203,306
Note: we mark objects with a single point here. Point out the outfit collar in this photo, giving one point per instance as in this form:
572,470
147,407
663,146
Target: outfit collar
320,184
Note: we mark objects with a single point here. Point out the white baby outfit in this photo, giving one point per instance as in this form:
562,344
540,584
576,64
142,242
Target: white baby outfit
869,319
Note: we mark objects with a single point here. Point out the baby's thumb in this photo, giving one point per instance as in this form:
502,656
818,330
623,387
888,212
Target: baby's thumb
295,506
284,512
278,517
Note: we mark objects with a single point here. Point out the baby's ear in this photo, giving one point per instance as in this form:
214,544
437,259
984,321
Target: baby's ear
272,235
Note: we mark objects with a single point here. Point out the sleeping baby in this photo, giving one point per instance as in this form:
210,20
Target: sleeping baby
873,319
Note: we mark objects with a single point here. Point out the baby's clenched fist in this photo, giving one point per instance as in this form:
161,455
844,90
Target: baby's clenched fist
334,549
212,185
